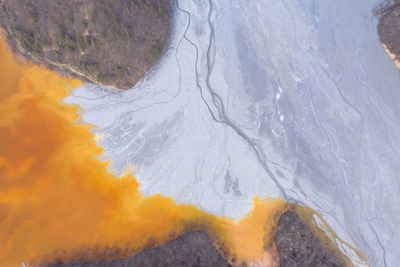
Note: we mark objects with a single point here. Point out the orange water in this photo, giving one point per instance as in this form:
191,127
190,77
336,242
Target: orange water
58,200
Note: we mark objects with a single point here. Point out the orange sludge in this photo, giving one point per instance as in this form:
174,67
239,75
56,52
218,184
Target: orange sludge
57,198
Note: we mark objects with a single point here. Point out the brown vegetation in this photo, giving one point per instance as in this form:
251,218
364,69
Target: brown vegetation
109,42
297,245
389,29
190,249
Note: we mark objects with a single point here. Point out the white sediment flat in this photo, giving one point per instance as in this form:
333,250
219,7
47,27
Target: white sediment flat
277,98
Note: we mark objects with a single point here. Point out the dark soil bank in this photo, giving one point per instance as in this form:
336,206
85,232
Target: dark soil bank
108,42
389,27
296,243
298,246
191,249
